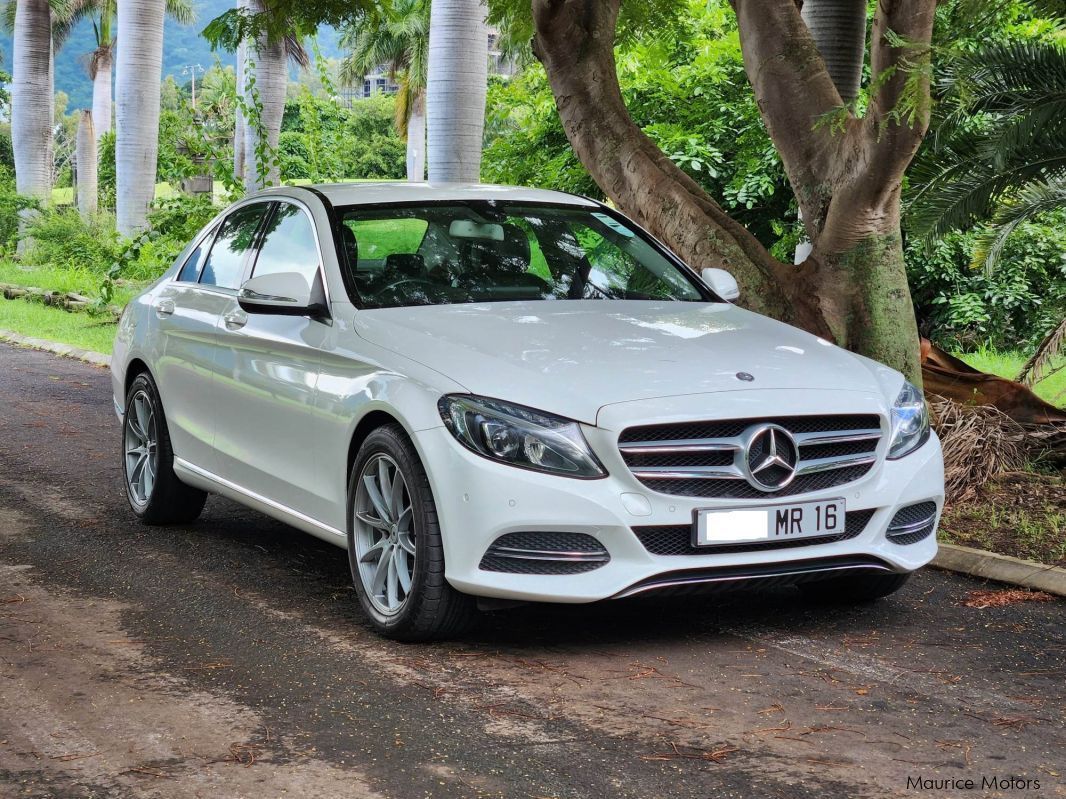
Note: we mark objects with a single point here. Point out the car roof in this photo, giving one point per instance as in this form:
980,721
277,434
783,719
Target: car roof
374,193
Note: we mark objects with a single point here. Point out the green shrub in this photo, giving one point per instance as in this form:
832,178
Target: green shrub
61,238
1012,307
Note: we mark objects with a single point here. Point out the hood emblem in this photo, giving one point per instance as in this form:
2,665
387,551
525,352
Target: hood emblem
747,378
770,457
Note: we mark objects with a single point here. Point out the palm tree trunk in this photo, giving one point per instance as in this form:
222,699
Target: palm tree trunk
416,139
102,93
139,70
86,161
261,167
239,122
839,31
455,94
31,101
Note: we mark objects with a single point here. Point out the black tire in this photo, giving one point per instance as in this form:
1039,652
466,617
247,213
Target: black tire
432,609
169,501
854,589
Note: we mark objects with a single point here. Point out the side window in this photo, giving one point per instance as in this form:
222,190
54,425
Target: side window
289,245
190,270
225,264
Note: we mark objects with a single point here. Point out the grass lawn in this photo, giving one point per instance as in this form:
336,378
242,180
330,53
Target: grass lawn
1021,514
1008,364
50,278
55,324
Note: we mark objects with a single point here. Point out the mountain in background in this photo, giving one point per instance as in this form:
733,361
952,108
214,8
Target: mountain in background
183,45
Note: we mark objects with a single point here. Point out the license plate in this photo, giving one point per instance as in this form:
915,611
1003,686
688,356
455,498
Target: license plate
769,523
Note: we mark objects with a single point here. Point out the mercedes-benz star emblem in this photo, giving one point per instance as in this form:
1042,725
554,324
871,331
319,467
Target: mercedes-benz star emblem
770,458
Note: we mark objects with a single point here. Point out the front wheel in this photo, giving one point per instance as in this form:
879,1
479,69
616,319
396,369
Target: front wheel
394,544
154,492
854,588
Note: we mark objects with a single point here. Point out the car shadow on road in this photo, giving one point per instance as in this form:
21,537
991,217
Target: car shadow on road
305,572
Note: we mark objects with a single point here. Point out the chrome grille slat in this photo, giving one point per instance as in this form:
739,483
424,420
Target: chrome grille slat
828,464
836,436
688,473
696,445
831,450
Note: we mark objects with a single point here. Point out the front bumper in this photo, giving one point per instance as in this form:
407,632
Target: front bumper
479,500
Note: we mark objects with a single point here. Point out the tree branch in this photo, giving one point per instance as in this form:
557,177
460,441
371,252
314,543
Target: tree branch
900,67
575,42
794,91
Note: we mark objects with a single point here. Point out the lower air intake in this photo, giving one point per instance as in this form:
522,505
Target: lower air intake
544,553
912,523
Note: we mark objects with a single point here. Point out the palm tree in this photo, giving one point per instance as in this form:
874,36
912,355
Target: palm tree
455,89
265,77
87,166
399,39
102,13
31,99
999,156
138,73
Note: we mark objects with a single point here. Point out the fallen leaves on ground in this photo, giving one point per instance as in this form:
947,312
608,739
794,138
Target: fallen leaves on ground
1008,596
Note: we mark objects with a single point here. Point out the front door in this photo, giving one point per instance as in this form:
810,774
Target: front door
267,372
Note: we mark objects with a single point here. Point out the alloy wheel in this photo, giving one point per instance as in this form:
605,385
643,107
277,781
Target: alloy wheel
141,448
384,534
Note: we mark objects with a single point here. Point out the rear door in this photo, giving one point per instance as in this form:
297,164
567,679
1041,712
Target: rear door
188,311
267,375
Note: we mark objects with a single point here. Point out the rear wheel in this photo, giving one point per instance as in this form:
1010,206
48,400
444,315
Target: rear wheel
854,588
394,544
154,492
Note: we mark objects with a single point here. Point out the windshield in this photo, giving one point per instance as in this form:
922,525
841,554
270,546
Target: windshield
488,251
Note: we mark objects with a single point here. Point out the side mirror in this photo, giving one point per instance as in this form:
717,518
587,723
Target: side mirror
721,283
285,293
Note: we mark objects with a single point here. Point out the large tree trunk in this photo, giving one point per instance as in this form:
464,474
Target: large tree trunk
261,167
239,121
456,88
852,289
416,139
31,101
102,92
139,70
86,161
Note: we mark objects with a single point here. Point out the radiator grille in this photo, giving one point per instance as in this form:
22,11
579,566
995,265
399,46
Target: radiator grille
709,458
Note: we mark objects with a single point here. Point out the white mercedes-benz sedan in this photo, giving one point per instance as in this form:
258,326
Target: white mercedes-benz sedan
490,394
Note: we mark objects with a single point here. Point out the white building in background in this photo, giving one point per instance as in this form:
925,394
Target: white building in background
380,81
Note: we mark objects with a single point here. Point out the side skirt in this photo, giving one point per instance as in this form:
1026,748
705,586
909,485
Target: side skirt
212,483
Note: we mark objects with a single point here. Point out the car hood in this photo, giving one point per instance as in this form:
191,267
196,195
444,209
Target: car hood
573,357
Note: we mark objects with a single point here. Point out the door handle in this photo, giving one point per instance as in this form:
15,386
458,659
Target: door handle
235,320
164,308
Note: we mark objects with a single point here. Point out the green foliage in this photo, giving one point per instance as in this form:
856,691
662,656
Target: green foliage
11,205
107,177
684,84
322,140
62,239
1000,148
1011,307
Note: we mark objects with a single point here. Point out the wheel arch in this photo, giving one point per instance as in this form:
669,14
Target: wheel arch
135,367
371,421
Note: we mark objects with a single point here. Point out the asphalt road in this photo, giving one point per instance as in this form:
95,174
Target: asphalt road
228,658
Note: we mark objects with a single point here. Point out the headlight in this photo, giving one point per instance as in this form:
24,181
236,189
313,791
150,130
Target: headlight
519,436
910,422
